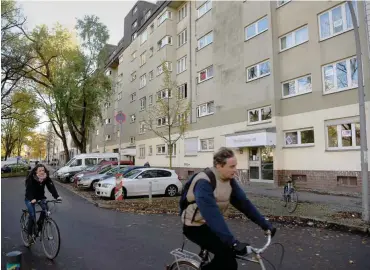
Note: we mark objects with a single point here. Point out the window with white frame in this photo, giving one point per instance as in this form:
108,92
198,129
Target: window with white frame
205,40
147,15
166,15
133,55
119,96
182,38
133,97
142,81
294,38
283,2
162,121
142,103
143,58
144,36
205,74
97,132
203,9
181,65
183,11
183,91
151,75
133,76
173,149
191,146
343,134
142,128
132,118
134,25
258,71
301,137
160,68
150,100
161,149
182,119
142,151
167,40
256,28
297,86
132,140
206,144
259,115
206,109
341,75
151,51
165,93
336,20
107,137
150,150
134,10
107,121
134,36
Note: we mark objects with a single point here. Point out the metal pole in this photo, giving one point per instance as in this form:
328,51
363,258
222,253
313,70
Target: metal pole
361,103
150,192
120,142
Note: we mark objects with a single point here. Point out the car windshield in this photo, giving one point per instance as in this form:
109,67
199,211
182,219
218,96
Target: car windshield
104,170
132,174
115,169
69,162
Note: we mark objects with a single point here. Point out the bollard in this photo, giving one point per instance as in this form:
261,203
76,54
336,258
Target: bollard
150,192
13,260
118,188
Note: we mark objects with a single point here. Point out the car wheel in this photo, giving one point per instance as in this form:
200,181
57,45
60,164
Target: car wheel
93,184
112,195
124,193
171,191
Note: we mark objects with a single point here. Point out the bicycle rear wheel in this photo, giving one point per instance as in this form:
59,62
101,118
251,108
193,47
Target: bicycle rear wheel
183,265
24,232
292,202
50,238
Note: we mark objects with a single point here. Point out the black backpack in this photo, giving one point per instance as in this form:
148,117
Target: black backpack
184,203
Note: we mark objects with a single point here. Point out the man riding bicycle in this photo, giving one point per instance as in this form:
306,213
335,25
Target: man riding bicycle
203,220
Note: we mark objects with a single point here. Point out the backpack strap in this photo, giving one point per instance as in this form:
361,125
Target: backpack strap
212,178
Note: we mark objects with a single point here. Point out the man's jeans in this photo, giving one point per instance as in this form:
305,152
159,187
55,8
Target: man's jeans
32,214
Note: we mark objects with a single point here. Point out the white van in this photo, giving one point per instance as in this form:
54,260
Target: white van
82,161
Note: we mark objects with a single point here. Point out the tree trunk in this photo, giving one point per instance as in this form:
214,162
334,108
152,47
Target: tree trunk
66,150
170,149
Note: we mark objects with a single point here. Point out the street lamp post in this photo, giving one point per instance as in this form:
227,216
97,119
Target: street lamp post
361,103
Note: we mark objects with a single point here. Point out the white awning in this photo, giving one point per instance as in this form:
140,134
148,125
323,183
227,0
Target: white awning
128,152
261,138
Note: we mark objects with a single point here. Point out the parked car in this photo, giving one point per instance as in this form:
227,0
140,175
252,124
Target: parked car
97,169
136,183
20,167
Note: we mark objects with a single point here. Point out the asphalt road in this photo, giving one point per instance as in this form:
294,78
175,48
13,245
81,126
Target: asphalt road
94,238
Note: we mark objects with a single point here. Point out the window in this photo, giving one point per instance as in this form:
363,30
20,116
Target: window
343,135
183,91
181,65
134,10
90,161
77,162
205,40
160,68
133,55
340,76
151,75
166,93
142,81
133,76
256,28
281,3
142,128
142,151
182,38
151,51
150,150
205,74
206,109
144,36
132,140
147,15
166,15
134,25
297,86
134,36
182,119
152,28
203,9
143,58
133,96
173,149
107,137
336,21
119,96
132,118
299,137
294,38
259,115
150,100
164,41
191,146
107,121
183,12
258,71
161,149
107,105
206,144
162,121
142,103
97,132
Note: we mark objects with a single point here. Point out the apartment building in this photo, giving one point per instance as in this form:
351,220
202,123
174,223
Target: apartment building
274,80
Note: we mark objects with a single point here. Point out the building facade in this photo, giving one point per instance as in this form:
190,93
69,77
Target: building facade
274,80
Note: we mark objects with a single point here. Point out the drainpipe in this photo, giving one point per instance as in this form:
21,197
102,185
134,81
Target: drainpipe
190,88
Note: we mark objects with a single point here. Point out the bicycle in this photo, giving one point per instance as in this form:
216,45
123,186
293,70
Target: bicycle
290,196
192,261
44,233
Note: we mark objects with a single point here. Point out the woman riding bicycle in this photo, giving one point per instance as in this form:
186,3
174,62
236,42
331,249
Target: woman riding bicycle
35,191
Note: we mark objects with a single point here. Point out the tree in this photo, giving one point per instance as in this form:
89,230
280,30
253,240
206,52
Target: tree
168,117
37,146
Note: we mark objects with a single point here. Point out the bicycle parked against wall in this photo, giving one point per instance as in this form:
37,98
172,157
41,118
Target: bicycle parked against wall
290,195
48,234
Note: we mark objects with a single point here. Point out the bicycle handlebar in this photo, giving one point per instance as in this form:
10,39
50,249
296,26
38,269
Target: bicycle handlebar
251,249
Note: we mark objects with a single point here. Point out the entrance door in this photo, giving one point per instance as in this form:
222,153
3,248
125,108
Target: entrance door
254,164
261,164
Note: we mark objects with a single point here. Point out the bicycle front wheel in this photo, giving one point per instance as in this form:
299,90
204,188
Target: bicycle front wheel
184,265
24,232
292,202
50,238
